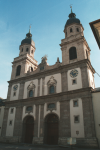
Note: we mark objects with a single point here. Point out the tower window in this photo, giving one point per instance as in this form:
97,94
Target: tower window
51,90
76,119
72,53
32,51
14,94
71,30
12,110
10,123
75,103
74,81
31,93
22,50
31,69
77,29
66,33
26,49
18,70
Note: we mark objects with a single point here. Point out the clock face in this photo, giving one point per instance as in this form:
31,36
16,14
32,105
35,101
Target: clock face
74,73
15,87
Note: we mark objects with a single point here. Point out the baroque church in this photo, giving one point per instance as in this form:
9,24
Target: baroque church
48,104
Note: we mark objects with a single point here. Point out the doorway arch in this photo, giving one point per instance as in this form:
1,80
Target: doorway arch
51,129
28,129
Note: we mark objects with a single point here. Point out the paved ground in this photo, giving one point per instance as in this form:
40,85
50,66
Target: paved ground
32,147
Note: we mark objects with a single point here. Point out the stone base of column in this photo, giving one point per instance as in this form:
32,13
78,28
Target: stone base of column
10,139
80,142
37,140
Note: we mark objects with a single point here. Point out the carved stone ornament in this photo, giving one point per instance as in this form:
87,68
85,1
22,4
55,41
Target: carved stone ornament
52,81
31,86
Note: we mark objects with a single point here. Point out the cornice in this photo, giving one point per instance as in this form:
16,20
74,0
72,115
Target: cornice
59,69
74,40
44,98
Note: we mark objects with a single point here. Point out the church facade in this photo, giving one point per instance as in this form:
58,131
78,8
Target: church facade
48,104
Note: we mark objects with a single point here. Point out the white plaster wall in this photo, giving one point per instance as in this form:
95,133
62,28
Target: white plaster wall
96,108
91,79
74,111
57,111
41,87
78,79
1,117
9,129
12,92
57,77
31,113
35,82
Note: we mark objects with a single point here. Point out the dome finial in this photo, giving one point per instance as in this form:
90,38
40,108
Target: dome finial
71,8
30,28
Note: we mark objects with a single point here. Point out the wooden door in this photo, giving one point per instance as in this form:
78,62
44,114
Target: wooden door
52,130
29,130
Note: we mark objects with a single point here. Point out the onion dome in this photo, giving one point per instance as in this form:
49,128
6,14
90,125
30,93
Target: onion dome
72,19
28,39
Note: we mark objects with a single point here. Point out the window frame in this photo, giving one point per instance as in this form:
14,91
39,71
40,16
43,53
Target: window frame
78,119
10,122
75,80
72,53
11,112
74,102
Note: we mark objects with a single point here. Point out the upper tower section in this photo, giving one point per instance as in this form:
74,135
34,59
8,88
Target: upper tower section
74,46
27,45
25,62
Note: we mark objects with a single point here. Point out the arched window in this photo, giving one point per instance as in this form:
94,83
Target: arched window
31,69
71,30
31,93
18,70
26,49
77,29
32,51
22,50
72,53
51,89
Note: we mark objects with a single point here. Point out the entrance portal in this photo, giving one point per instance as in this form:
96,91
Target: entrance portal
51,125
28,129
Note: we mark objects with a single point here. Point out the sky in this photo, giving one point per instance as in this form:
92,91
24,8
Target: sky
47,19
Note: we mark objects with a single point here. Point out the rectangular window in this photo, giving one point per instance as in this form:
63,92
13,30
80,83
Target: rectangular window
10,123
12,110
76,119
14,94
74,81
0,110
75,103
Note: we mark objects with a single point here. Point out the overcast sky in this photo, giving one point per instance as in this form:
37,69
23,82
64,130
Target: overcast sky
48,18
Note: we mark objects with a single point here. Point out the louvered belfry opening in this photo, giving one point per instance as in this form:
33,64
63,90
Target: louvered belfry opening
18,70
72,53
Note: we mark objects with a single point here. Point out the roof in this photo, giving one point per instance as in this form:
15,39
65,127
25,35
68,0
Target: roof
28,39
95,26
72,19
96,90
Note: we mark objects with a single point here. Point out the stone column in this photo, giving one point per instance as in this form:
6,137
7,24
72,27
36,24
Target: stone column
64,81
21,90
5,119
64,123
88,116
38,94
9,92
84,74
43,83
17,132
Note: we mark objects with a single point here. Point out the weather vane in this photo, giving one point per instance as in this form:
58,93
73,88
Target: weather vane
71,7
30,28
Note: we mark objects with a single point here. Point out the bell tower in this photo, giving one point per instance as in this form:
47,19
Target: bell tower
25,61
74,46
